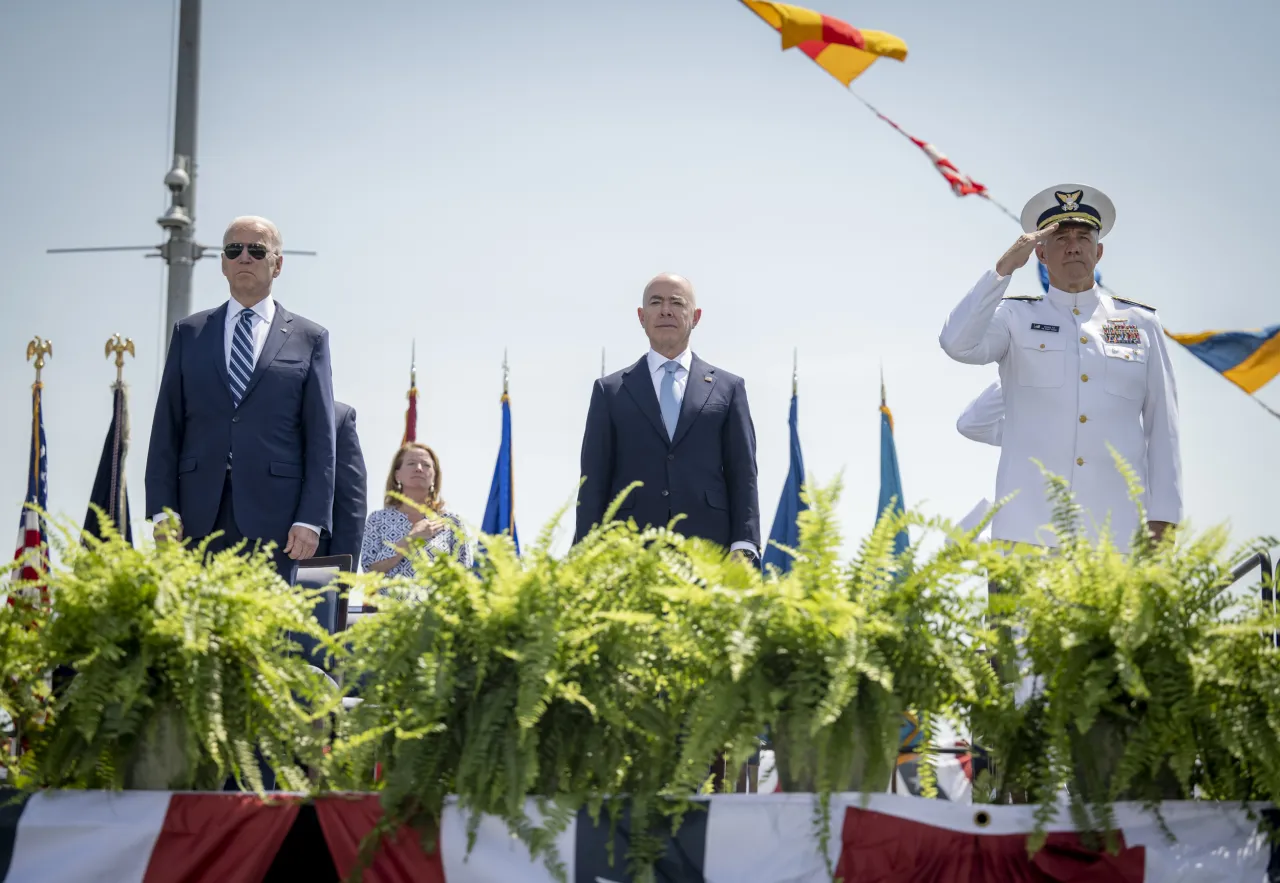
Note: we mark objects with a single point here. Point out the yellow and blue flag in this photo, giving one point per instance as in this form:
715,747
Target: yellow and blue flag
1249,359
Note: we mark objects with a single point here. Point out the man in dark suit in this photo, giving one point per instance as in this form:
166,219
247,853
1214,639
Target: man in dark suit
243,437
350,492
678,424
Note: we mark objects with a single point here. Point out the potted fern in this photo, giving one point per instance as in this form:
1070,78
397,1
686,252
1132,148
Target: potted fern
1151,680
181,669
839,651
574,680
23,692
617,673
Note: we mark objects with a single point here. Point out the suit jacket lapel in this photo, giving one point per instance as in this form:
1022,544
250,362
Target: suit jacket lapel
639,384
696,392
217,337
276,336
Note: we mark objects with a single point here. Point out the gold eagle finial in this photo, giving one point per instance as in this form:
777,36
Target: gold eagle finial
38,348
118,346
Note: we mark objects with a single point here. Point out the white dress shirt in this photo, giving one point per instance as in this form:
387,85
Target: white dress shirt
657,373
1079,373
681,380
264,312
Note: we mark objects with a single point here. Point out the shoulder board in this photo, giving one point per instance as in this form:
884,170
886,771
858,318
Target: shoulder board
1024,297
1135,303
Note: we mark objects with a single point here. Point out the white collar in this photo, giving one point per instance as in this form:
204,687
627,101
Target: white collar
657,360
1067,299
265,309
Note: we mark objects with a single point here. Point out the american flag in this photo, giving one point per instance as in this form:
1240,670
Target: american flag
28,559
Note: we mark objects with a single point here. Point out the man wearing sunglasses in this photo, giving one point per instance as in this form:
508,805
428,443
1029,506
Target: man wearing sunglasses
243,436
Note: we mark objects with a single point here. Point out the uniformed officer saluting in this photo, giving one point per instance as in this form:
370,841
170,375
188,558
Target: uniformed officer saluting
1079,369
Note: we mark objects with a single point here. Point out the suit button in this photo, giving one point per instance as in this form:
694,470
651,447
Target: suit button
1084,340
1079,461
666,493
1084,377
671,456
235,419
1084,419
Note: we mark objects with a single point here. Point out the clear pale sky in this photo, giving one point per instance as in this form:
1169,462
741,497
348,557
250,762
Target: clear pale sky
502,174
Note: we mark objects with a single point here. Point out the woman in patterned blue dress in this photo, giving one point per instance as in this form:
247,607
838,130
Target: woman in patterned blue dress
415,474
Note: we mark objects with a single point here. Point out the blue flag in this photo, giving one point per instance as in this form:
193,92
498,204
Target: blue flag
500,511
890,478
1044,276
785,529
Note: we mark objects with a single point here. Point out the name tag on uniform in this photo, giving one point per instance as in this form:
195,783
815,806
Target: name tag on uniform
1036,326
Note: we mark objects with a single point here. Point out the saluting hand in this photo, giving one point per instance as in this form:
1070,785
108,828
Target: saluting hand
1021,250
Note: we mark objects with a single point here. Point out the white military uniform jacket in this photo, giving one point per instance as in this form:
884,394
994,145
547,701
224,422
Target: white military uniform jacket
1077,372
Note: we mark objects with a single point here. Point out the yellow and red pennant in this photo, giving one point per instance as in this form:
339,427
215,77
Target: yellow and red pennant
837,47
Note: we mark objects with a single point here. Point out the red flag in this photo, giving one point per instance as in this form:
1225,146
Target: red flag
961,184
411,415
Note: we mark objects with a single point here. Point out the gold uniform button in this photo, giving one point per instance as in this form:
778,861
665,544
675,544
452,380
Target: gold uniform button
1084,419
1084,377
1074,310
1084,340
1042,346
1079,461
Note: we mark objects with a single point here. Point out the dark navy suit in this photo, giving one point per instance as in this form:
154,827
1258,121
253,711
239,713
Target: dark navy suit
281,436
705,471
350,506
350,490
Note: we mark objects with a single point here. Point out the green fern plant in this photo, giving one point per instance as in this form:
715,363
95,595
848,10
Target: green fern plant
24,690
838,651
617,673
1151,680
170,650
576,680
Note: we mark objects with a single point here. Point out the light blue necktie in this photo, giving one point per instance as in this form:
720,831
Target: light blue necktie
241,367
667,401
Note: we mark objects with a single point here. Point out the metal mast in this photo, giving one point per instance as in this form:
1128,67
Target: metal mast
181,251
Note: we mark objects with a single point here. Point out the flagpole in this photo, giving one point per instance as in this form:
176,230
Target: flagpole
602,362
39,348
795,370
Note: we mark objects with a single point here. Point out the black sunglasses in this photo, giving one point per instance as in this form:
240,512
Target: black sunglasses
233,249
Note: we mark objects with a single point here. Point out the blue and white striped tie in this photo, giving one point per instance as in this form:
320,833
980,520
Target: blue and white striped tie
241,367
